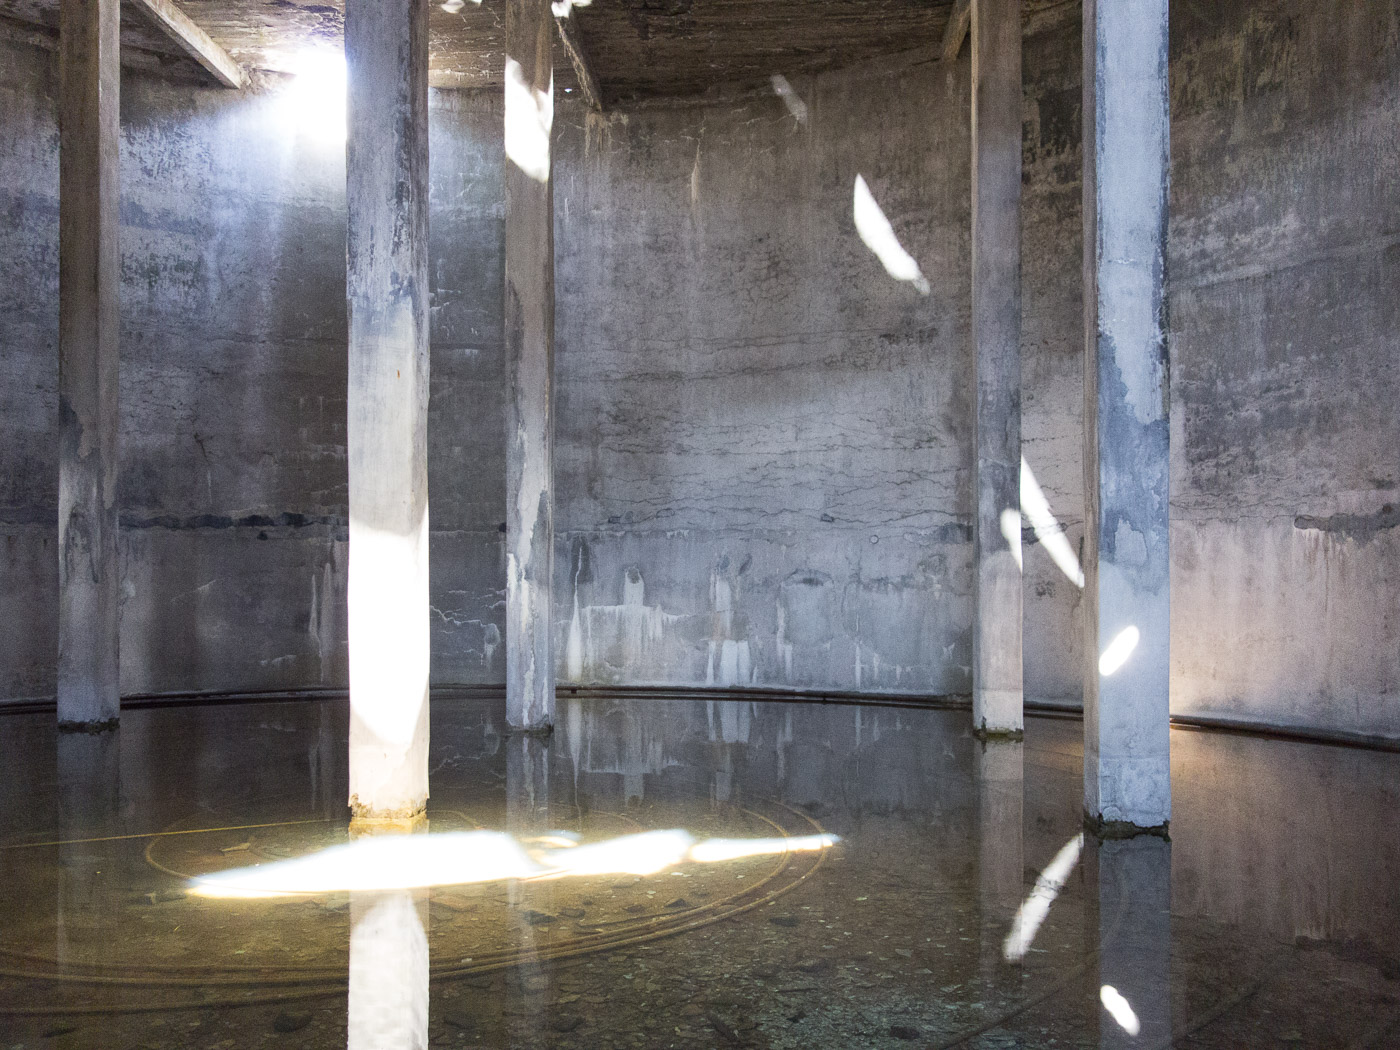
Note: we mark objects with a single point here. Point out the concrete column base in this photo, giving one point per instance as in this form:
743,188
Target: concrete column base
1004,702
1112,830
365,825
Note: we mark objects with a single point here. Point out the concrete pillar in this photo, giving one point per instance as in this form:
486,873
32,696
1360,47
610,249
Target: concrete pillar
386,52
1127,781
1135,930
996,335
89,281
529,339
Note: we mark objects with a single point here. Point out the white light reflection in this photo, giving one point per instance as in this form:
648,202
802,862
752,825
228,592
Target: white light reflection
314,102
388,990
381,862
529,121
561,8
1011,532
1035,907
712,850
1119,1009
877,233
454,858
1118,651
790,98
642,854
1047,528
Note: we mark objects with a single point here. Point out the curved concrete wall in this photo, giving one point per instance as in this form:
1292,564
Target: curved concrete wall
764,435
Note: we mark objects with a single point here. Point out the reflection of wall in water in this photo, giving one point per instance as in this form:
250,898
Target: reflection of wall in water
847,760
1306,820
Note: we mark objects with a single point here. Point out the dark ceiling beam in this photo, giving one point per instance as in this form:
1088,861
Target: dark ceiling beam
959,23
573,45
193,41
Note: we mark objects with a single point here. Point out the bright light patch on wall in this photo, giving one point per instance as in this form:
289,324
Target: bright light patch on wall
314,102
877,233
1046,526
1119,1009
397,862
561,8
1011,532
790,98
529,121
1118,651
1035,907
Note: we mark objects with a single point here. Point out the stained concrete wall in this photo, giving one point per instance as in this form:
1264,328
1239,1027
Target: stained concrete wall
699,435
233,480
1284,253
764,439
1285,261
736,367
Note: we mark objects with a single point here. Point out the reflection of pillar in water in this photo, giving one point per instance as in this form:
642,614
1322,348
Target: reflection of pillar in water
324,760
388,1002
724,775
89,806
1134,987
527,784
532,905
1000,769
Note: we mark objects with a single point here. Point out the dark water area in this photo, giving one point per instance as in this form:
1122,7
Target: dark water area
686,873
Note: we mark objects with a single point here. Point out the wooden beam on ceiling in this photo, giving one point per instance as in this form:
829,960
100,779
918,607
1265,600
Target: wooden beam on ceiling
194,41
573,45
959,24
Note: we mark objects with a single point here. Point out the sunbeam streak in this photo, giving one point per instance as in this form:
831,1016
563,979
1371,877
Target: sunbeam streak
397,862
877,233
1035,907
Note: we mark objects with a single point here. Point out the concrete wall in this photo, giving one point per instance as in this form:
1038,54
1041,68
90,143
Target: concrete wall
1284,253
699,435
233,483
764,438
1286,364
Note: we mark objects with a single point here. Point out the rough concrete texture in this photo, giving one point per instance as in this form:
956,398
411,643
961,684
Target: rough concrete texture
529,363
1285,259
88,335
233,472
997,675
387,301
1127,621
1282,263
1285,359
764,455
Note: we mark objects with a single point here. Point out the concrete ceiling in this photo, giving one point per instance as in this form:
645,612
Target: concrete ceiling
636,48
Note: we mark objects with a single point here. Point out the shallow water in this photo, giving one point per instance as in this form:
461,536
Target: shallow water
956,907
